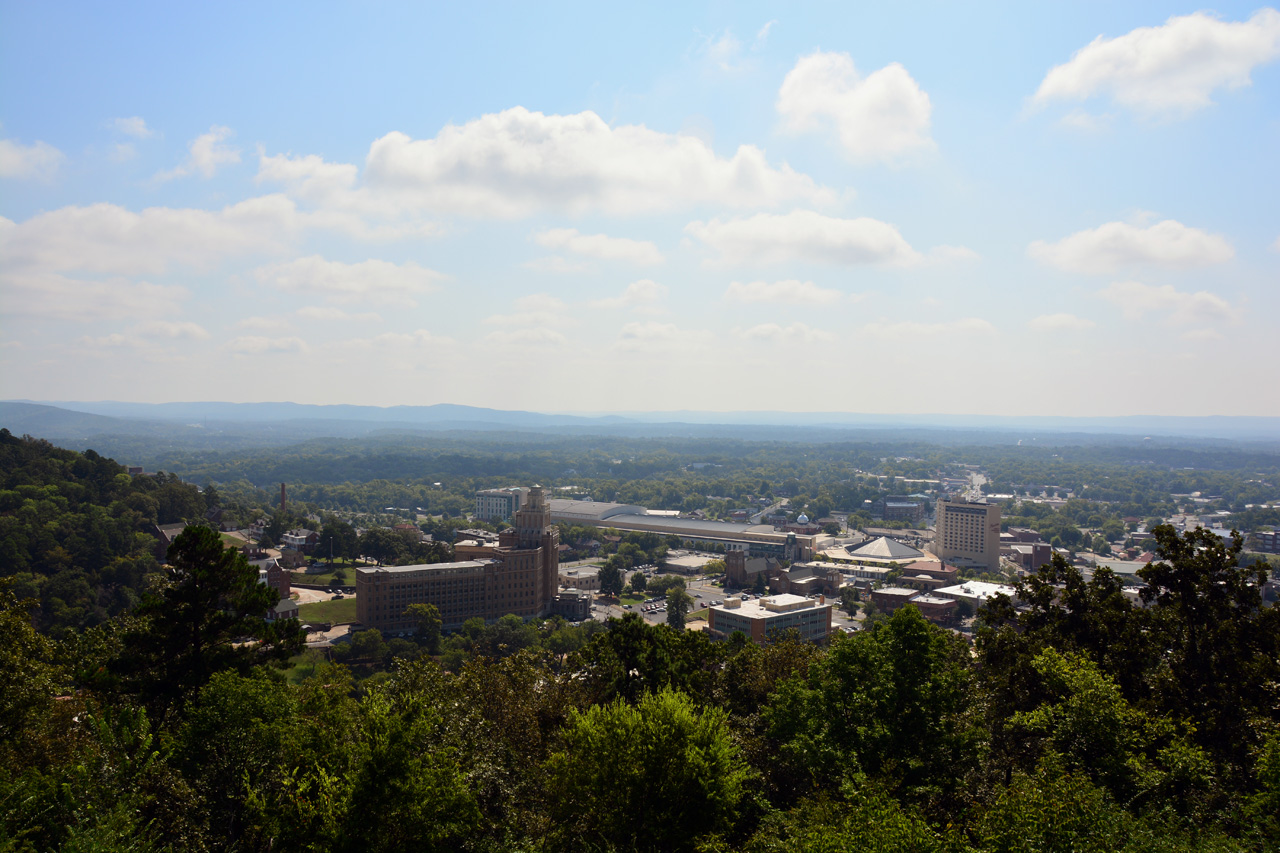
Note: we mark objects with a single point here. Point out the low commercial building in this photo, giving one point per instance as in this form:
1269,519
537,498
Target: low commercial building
890,598
935,608
975,593
572,604
765,618
586,579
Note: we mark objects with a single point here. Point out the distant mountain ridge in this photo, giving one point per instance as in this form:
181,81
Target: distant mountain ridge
84,419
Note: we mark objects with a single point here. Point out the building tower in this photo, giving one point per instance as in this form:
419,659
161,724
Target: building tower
968,533
533,543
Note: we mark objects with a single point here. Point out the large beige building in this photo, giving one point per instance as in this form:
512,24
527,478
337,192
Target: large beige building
765,618
518,575
968,534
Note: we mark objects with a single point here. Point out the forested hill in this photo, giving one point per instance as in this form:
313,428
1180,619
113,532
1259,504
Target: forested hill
75,529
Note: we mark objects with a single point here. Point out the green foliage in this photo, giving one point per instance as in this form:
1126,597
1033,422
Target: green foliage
890,703
209,616
678,604
657,775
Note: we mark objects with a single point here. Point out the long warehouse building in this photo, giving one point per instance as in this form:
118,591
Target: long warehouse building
760,540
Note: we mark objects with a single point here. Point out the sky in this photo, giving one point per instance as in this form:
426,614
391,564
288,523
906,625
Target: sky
898,208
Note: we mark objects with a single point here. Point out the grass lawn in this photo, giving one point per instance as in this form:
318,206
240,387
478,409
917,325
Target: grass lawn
697,614
323,578
336,610
631,599
232,541
304,665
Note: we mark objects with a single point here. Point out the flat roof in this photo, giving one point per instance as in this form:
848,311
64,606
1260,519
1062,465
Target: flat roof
420,567
783,605
977,589
583,510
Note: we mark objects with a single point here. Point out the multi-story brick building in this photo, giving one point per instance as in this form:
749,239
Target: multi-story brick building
518,575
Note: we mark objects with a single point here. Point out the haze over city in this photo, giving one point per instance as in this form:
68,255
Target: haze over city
999,209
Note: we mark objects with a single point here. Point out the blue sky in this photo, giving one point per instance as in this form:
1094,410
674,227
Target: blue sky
893,208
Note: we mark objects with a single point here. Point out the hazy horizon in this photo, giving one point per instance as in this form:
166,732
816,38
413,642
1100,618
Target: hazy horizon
981,211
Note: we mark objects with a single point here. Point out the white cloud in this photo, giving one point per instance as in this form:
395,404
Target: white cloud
724,50
763,34
328,312
37,161
788,292
307,177
796,333
174,330
1175,307
1059,323
880,117
533,336
804,235
1173,68
259,344
600,246
953,331
517,162
535,310
133,126
1119,244
205,154
369,281
261,324
56,296
417,339
951,254
650,335
643,296
557,264
105,238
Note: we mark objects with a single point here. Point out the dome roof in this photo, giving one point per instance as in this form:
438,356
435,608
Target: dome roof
803,519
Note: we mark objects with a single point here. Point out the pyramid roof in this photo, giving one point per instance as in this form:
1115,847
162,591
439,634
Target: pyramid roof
885,548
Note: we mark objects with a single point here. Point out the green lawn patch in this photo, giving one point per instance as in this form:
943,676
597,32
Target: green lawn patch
697,614
334,610
304,666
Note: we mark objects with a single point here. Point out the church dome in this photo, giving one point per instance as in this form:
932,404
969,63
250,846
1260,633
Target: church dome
803,519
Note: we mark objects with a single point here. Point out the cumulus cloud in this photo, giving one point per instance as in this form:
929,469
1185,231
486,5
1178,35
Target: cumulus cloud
39,160
1120,244
1059,323
368,281
174,330
1172,68
328,312
205,154
796,333
804,235
417,339
260,344
55,296
309,177
537,309
950,331
644,296
517,162
879,117
557,264
261,324
105,238
1175,307
788,292
600,246
652,335
532,336
133,126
